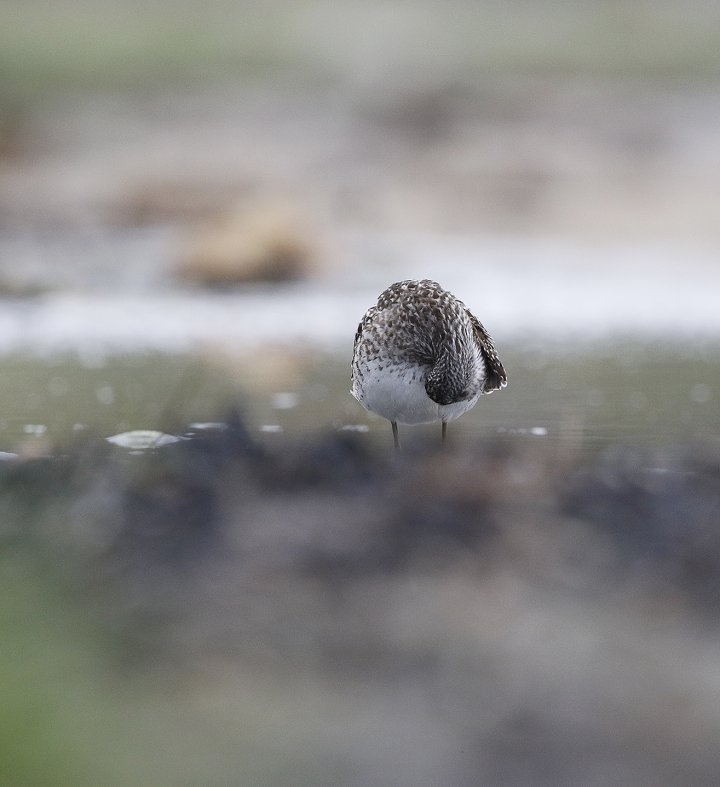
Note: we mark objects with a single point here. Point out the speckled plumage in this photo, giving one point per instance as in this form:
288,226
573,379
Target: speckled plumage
421,356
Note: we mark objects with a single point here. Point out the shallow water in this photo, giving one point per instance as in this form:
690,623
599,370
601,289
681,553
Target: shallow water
580,397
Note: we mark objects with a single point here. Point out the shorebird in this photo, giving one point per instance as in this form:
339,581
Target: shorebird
420,356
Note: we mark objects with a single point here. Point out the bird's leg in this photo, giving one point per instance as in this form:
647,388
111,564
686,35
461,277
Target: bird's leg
396,436
444,431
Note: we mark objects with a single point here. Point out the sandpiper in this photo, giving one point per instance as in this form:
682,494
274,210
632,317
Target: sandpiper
420,355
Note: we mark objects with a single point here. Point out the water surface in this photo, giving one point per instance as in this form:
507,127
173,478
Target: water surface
582,396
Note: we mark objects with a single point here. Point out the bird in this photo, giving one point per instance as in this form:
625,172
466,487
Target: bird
421,356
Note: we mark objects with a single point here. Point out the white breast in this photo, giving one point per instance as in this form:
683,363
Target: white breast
397,392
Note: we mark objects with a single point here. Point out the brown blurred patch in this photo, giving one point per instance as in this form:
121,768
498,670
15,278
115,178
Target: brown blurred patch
262,242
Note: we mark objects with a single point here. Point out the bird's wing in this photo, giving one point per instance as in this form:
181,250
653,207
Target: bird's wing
357,334
496,376
361,325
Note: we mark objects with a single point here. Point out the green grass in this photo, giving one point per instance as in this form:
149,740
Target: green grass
116,45
122,44
49,715
70,717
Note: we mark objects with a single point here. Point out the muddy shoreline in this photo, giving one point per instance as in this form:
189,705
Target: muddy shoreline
436,580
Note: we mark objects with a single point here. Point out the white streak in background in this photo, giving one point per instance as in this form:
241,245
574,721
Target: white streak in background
271,428
36,430
105,394
285,400
535,431
553,290
701,393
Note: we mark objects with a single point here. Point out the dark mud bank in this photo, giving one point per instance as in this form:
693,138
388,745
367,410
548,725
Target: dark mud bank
502,614
336,507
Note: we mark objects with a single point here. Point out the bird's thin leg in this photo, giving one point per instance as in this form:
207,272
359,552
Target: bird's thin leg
396,436
444,431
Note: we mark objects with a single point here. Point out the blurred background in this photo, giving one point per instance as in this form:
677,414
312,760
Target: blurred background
198,201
